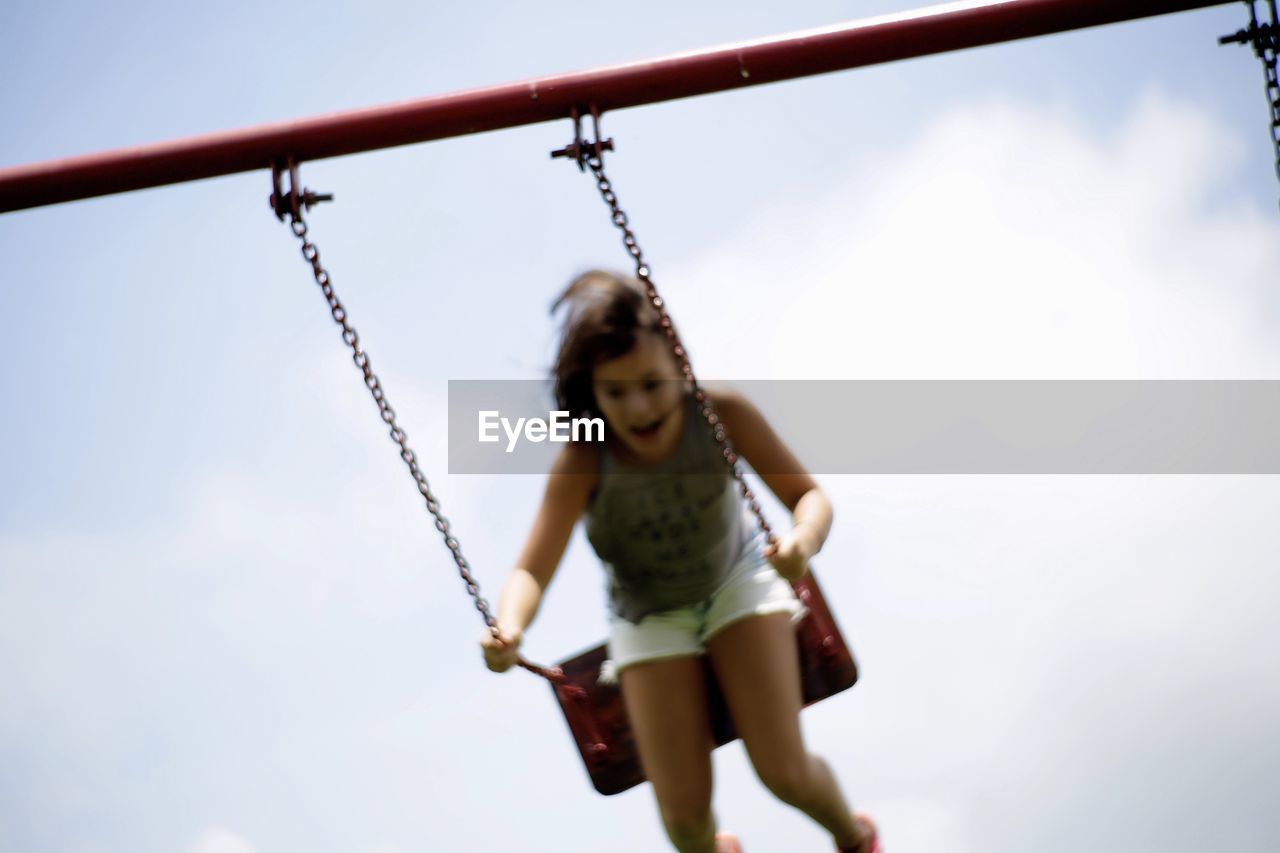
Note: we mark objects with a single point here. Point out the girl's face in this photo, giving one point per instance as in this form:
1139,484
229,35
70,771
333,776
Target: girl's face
641,396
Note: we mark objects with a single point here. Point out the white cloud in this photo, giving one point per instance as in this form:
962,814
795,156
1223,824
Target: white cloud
219,840
1029,642
1008,240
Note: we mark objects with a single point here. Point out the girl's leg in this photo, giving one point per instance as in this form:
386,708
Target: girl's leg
666,703
756,663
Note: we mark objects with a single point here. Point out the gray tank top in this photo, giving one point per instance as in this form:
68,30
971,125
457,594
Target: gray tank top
669,533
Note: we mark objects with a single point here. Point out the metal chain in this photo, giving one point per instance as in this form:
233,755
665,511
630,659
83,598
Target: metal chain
1267,48
398,435
596,163
1265,39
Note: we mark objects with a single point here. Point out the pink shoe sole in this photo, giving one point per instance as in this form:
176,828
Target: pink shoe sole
876,846
727,842
869,825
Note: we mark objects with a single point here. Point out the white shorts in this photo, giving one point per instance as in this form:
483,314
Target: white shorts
753,588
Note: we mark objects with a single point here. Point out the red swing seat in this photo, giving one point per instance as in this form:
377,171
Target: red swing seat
597,717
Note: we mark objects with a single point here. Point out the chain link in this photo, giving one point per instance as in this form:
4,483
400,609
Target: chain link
1267,46
1265,40
730,456
361,358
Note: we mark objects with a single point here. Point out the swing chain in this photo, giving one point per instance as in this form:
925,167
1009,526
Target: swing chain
595,161
1265,40
311,253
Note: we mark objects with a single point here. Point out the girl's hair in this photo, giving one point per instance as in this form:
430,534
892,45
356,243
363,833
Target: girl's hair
605,313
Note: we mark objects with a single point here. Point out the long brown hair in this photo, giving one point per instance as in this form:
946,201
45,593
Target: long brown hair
605,314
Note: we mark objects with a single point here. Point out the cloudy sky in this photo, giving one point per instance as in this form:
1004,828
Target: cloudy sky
226,625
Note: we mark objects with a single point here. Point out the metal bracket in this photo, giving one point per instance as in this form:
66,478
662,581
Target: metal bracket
296,200
1257,35
580,149
1263,37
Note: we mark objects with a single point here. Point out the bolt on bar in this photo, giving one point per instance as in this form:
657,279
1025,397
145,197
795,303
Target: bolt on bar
936,29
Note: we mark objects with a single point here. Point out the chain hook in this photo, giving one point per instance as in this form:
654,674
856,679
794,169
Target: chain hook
581,150
291,204
1262,37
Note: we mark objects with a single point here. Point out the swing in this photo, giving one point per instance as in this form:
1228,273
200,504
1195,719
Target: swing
592,705
593,709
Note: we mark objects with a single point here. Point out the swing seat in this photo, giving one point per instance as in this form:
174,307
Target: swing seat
597,718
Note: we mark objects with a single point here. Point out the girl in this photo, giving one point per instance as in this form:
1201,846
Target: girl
688,573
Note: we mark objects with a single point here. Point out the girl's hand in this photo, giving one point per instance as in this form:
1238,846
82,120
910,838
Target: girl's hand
790,554
502,651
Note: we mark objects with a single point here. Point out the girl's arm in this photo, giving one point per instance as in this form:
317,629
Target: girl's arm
782,472
569,486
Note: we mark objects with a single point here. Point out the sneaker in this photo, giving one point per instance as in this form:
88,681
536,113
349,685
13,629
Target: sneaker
872,844
727,842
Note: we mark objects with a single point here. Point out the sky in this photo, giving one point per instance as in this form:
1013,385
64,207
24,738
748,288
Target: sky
227,624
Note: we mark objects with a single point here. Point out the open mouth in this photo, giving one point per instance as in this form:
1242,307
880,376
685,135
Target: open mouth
648,430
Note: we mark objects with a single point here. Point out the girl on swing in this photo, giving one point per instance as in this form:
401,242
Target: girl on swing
687,574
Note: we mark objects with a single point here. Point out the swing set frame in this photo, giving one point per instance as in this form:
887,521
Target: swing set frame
855,44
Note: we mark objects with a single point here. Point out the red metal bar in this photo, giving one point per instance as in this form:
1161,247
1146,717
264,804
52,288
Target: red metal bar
851,45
